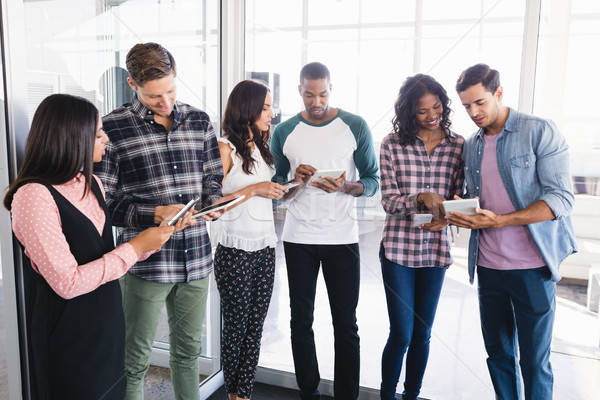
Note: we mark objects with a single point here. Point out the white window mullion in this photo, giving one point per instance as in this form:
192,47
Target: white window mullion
529,55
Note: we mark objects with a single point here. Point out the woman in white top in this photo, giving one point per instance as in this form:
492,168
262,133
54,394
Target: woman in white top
245,257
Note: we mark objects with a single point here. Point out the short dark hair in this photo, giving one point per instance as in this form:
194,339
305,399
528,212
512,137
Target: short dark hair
313,71
244,107
149,61
60,144
478,73
404,122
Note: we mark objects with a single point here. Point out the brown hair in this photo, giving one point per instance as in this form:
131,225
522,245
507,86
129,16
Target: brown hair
478,73
149,61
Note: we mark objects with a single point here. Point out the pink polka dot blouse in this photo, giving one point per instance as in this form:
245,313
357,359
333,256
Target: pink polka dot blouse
36,223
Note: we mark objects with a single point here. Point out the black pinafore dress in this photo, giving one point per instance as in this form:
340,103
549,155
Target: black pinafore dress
77,345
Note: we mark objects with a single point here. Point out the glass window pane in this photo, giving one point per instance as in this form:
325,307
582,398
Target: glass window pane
268,13
565,87
332,12
395,11
585,6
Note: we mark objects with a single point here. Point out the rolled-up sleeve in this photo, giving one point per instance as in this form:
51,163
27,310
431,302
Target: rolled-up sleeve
554,172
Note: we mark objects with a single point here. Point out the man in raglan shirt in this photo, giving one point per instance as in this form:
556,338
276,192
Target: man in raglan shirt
321,227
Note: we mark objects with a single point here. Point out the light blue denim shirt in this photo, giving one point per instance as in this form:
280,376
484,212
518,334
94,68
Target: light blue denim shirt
533,160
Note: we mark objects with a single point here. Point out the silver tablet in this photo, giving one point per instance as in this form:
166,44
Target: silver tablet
419,219
464,206
332,173
218,206
182,212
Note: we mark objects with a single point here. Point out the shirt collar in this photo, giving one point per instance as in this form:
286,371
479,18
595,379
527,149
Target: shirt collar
148,115
511,124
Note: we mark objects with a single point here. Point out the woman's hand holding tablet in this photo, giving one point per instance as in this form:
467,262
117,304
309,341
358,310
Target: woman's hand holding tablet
182,212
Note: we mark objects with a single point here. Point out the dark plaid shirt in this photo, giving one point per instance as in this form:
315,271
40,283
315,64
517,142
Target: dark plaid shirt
145,166
405,172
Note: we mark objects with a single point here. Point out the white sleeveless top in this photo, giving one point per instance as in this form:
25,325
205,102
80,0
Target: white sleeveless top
250,225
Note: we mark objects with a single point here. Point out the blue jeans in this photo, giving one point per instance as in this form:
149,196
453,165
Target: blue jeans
517,317
341,271
412,297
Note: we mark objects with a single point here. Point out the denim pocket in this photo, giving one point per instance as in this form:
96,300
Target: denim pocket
523,169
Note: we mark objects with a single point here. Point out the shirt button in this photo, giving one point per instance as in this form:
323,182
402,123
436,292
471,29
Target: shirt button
151,122
175,167
149,112
477,171
477,187
427,186
185,251
180,195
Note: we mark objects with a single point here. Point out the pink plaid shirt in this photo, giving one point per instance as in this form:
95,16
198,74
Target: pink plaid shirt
405,172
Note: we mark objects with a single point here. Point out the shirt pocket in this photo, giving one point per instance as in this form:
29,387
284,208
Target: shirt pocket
523,170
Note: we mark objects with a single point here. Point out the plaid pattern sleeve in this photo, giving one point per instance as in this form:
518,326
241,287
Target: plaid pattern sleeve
145,166
405,172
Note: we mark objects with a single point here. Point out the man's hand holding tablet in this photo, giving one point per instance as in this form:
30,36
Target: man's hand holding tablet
328,180
218,208
477,218
463,206
326,175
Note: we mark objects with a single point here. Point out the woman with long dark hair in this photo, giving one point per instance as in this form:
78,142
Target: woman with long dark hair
421,165
75,316
245,256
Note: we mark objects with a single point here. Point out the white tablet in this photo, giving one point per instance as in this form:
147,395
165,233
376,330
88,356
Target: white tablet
464,206
182,212
218,206
419,219
332,173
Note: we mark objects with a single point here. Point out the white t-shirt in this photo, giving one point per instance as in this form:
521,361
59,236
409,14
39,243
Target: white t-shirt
314,216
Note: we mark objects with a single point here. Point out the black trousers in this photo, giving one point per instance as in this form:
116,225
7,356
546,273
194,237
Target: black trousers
341,271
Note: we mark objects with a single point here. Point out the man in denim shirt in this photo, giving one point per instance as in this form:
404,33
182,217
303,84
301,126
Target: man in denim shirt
518,166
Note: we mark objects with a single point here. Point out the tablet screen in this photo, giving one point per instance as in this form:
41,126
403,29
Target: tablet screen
218,206
463,206
332,173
